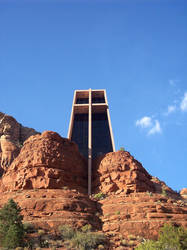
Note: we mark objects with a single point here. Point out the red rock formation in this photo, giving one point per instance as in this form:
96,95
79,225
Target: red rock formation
46,161
183,193
49,172
139,215
9,151
9,126
120,171
12,136
50,208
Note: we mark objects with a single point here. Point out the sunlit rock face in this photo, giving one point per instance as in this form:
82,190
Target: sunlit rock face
120,171
47,161
12,136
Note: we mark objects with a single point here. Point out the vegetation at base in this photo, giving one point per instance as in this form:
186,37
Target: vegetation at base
100,196
29,228
82,239
170,238
11,227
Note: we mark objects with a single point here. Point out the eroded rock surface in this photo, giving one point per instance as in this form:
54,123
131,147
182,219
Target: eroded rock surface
120,171
50,208
47,161
12,136
183,193
9,151
139,215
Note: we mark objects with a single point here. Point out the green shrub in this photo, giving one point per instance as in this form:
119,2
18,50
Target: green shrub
87,240
124,243
84,239
148,245
170,237
100,196
41,232
164,192
122,149
86,228
131,243
67,232
29,228
11,226
131,237
117,212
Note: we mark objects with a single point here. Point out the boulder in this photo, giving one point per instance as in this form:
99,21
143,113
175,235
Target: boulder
47,161
119,171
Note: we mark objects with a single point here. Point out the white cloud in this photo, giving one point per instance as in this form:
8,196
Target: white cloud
171,109
145,122
155,129
183,104
152,126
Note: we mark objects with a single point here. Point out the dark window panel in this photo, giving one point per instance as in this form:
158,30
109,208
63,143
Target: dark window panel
101,139
81,100
80,132
98,100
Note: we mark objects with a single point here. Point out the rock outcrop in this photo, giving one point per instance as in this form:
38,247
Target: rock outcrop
50,208
119,171
132,217
9,151
12,136
183,193
136,204
47,161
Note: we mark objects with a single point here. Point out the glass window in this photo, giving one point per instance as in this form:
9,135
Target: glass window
101,139
81,100
98,100
80,133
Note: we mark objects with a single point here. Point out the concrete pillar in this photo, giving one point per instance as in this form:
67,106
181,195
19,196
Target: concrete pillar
90,144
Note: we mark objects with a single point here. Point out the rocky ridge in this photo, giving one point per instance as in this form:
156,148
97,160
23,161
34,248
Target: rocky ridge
48,179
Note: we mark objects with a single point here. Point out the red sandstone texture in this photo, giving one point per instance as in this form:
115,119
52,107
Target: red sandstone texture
9,151
139,215
46,161
183,193
12,136
119,171
50,208
48,179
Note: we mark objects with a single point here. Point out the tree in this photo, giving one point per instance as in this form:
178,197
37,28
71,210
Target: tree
170,238
11,226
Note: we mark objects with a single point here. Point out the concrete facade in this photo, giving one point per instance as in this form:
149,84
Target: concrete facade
90,126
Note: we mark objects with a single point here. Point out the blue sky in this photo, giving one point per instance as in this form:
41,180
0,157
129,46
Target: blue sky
135,49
